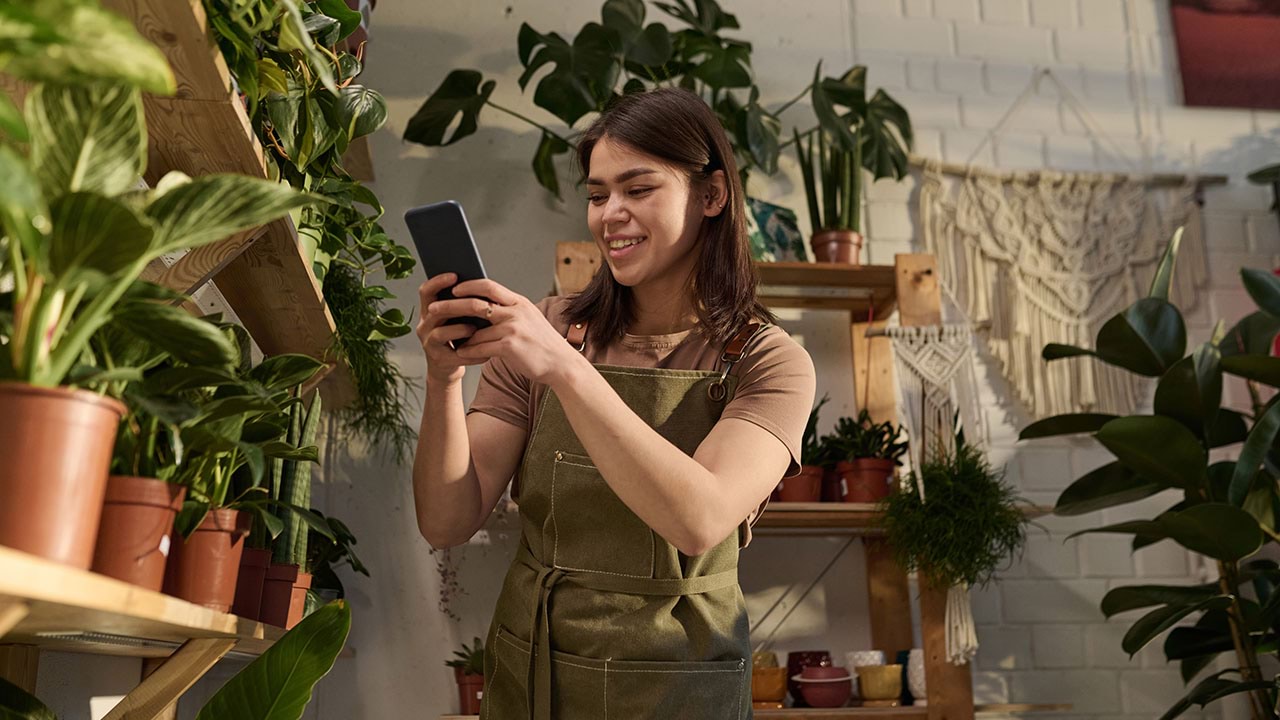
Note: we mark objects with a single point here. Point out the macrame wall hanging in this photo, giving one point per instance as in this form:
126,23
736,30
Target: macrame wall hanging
1044,256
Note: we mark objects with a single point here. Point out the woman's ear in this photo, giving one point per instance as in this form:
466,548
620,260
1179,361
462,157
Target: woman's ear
715,193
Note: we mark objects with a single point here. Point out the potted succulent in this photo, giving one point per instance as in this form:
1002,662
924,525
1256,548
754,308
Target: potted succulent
468,671
868,453
278,684
807,486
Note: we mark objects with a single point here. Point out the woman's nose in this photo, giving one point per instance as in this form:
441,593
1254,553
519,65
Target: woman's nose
614,211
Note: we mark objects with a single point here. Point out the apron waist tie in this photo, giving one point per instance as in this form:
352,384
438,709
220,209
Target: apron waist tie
538,684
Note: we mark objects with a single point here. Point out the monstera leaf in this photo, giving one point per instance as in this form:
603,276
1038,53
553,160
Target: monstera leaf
462,95
582,74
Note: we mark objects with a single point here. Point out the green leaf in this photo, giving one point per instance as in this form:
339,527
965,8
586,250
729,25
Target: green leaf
1157,447
1147,338
1263,368
1058,351
1164,271
460,96
1134,597
1252,335
23,212
720,65
1191,391
360,111
213,207
1108,486
1252,455
1221,531
90,138
11,121
95,233
886,121
282,372
18,704
1069,424
278,684
1264,287
582,75
294,36
271,77
1228,428
1156,622
187,338
388,325
1214,688
338,10
544,167
828,118
180,379
760,130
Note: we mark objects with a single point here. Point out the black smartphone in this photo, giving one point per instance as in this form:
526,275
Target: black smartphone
445,245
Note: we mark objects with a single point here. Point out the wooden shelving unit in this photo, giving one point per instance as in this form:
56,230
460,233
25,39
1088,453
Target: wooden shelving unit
831,518
861,713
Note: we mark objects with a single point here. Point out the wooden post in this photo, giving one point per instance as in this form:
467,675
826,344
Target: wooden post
162,688
576,264
19,665
149,666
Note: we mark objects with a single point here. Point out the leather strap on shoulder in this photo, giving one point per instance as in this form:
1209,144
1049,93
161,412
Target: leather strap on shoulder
577,336
738,345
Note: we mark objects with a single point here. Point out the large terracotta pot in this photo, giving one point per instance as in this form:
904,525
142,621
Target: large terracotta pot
136,532
284,595
203,569
470,692
837,246
55,451
805,487
866,480
253,572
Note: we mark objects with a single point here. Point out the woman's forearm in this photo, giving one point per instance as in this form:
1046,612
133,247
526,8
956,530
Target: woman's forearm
446,491
667,489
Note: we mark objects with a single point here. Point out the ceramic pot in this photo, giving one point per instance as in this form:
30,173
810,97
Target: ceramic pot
470,692
866,480
253,573
135,534
55,452
284,595
768,684
832,486
837,246
805,487
826,692
796,663
204,568
915,677
880,682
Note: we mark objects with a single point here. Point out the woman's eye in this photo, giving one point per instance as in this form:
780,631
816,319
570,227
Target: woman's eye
637,192
596,199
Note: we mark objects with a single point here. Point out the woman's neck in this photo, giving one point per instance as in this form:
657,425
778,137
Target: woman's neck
656,312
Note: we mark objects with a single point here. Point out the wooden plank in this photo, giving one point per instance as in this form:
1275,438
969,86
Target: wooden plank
950,687
873,376
918,292
888,599
201,264
163,687
358,160
180,29
12,612
19,664
1002,708
852,713
806,274
576,264
149,666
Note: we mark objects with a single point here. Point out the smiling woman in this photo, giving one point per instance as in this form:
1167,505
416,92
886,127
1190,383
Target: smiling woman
645,422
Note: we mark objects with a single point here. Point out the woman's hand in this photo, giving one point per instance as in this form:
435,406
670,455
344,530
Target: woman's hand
519,333
443,363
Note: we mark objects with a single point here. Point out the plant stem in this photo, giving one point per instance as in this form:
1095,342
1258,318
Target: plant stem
532,122
1247,657
793,100
806,132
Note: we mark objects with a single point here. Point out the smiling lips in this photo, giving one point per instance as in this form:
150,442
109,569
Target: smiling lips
619,247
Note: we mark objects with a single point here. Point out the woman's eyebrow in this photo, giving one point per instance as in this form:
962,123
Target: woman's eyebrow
634,172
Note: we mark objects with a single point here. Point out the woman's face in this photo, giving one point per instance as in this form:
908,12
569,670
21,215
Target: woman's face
644,215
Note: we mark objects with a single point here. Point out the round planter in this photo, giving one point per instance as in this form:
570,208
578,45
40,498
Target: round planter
768,684
277,594
805,487
797,661
136,532
203,569
880,682
53,469
837,246
470,692
831,692
868,480
253,572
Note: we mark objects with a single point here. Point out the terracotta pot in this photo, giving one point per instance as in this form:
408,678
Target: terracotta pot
54,459
253,571
796,663
470,692
298,599
805,487
277,594
837,246
867,480
832,486
203,569
136,532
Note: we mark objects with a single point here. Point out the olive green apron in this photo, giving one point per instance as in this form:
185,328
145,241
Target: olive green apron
599,616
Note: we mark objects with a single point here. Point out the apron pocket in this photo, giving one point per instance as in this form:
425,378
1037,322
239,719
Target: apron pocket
676,690
597,532
505,694
578,683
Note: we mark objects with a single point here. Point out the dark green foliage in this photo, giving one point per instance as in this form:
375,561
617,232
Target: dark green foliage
469,659
864,438
968,527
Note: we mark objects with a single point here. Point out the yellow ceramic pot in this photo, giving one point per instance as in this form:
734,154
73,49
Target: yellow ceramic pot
880,682
768,684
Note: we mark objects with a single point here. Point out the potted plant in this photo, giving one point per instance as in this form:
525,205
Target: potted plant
468,671
278,684
807,486
868,453
1225,509
327,553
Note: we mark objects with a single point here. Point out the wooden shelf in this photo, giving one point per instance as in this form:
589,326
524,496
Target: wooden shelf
857,713
832,518
859,289
204,129
56,607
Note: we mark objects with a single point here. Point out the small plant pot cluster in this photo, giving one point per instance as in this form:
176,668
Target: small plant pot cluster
855,463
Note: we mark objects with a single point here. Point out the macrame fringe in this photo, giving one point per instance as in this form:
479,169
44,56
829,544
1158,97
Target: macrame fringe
962,636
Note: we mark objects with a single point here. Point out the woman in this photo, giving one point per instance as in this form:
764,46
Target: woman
645,420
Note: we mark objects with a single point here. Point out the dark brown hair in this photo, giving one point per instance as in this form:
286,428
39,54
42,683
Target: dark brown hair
677,127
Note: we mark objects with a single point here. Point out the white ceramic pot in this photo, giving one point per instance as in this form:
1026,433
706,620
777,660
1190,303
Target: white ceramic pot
915,676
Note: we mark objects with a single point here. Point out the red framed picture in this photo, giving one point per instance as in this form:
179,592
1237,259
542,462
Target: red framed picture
1229,52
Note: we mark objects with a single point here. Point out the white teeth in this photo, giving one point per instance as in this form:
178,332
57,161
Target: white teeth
619,244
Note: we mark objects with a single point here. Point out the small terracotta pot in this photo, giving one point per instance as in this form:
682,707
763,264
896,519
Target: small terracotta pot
253,571
55,452
470,692
837,246
277,594
298,599
805,487
203,569
832,486
867,480
136,532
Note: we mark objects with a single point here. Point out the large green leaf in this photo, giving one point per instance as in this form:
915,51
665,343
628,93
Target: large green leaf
1147,338
460,96
1163,278
1134,597
829,119
11,122
708,18
1252,335
1153,624
214,207
582,74
886,121
1069,424
1156,447
1264,287
360,111
1108,486
190,339
96,233
1265,176
18,704
23,212
1221,531
1263,368
89,138
544,166
646,46
1228,428
281,372
1191,391
720,64
338,10
278,684
1252,455
760,131
1212,688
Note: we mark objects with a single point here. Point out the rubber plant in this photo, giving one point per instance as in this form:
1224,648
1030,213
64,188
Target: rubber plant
1269,175
304,104
622,54
1225,509
277,685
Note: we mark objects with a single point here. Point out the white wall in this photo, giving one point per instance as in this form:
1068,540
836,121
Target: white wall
956,65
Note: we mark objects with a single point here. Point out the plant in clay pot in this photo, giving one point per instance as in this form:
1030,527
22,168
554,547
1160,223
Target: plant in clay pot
806,486
468,671
868,453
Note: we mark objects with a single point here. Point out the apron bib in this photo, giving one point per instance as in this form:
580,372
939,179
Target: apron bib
598,615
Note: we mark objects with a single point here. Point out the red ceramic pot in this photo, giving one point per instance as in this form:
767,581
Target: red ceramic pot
867,480
805,487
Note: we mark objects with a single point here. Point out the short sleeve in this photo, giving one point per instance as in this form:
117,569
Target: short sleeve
776,386
504,393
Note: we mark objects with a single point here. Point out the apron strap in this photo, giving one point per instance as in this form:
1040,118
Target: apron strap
734,351
577,336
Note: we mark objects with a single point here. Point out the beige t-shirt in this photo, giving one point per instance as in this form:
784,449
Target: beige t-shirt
775,380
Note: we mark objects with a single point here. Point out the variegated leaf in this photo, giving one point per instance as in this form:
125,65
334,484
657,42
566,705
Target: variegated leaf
86,138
